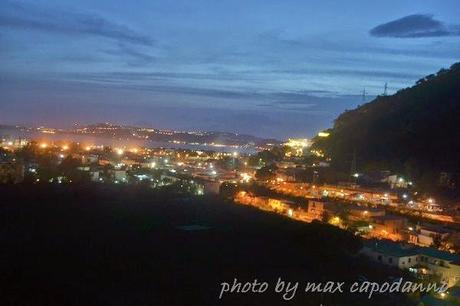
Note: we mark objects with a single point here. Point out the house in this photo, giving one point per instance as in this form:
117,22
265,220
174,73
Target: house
443,264
118,175
417,259
391,253
89,159
425,235
316,209
389,224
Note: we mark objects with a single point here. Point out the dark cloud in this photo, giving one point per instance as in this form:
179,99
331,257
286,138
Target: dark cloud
27,16
414,26
133,56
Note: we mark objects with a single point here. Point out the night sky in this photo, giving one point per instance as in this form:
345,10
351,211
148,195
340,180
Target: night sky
268,68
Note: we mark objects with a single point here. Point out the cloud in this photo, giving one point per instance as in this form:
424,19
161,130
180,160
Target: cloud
413,26
27,16
134,56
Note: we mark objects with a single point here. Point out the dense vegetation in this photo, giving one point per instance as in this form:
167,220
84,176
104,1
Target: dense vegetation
414,132
129,245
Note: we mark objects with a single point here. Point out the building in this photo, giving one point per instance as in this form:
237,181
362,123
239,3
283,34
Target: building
365,213
391,253
443,264
425,235
389,224
211,187
316,209
416,259
118,175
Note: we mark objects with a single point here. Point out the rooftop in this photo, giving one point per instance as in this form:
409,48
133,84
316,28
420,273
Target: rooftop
390,248
395,249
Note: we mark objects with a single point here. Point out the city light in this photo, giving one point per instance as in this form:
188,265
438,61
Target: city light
245,177
335,220
43,145
65,147
119,151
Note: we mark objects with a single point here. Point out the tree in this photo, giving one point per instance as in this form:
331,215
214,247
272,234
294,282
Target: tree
266,173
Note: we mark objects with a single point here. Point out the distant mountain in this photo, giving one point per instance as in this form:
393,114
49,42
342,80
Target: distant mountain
415,131
225,138
109,130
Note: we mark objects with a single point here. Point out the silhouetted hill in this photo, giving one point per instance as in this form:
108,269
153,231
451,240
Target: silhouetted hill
125,245
415,131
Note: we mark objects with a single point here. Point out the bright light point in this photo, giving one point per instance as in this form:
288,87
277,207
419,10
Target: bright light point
356,175
153,164
245,177
65,147
323,134
43,145
87,148
335,221
290,212
235,154
430,200
119,151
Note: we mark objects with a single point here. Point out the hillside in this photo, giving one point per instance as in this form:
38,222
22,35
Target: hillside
124,245
415,131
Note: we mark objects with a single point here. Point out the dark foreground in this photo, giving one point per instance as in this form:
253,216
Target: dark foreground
69,245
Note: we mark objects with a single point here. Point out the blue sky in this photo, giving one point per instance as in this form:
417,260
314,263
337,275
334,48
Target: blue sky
269,68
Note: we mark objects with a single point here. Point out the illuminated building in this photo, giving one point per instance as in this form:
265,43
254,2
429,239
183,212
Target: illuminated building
298,145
